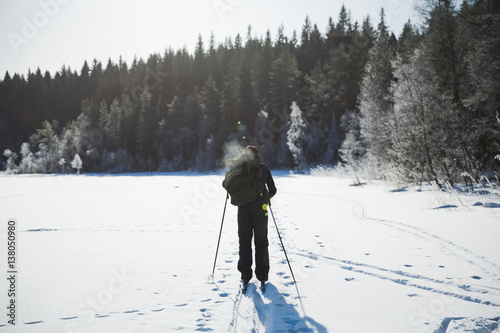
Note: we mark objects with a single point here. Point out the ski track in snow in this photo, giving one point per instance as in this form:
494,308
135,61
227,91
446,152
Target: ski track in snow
275,310
447,247
278,309
476,293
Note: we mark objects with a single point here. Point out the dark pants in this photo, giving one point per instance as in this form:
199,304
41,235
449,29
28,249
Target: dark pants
252,221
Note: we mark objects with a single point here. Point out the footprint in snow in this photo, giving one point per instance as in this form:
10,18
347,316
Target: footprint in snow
205,314
180,305
158,310
475,277
349,279
408,265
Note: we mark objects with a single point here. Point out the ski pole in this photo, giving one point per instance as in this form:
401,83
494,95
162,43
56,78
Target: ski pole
286,256
220,232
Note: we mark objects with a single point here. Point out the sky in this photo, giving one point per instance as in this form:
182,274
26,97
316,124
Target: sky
50,34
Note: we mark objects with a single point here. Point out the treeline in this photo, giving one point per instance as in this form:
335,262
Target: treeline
421,105
177,111
431,113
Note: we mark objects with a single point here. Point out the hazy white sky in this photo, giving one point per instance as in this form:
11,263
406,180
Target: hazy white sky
50,33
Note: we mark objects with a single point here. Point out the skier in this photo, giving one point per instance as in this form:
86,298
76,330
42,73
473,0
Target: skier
253,217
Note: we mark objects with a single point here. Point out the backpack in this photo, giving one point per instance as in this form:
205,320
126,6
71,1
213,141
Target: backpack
243,181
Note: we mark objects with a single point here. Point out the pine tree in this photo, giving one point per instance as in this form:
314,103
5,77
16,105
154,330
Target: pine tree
261,72
424,144
377,118
409,40
479,28
143,130
48,143
284,84
232,98
200,66
353,148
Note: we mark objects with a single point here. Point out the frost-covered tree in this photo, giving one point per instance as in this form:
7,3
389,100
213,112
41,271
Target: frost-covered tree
77,163
425,143
10,165
28,162
353,148
296,137
479,23
49,146
110,124
375,104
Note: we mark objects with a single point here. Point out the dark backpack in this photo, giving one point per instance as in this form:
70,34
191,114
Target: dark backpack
243,181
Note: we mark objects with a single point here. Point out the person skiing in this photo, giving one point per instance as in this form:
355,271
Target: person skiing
252,211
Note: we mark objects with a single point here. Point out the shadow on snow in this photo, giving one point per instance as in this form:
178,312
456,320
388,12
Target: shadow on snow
278,316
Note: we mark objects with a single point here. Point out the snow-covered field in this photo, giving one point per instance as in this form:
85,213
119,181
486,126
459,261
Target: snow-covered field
123,253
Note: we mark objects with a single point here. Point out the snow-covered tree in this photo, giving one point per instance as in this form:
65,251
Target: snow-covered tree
11,161
425,142
77,163
296,136
375,104
28,162
48,142
353,148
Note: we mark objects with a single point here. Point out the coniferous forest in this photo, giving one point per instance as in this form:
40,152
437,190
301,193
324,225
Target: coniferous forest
420,105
